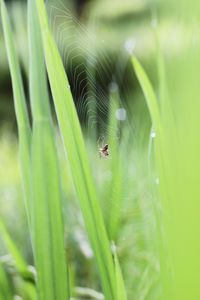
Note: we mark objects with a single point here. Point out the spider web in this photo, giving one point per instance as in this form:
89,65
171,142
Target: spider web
94,77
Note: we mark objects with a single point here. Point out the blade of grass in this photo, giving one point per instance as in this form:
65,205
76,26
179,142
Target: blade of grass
121,292
19,263
162,158
153,107
77,155
47,211
5,289
149,94
24,129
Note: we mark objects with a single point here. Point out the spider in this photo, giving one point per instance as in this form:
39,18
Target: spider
103,150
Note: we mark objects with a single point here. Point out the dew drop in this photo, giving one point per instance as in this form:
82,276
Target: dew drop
129,45
120,114
113,247
153,134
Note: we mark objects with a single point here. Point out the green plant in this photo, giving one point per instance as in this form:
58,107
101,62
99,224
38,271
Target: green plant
43,188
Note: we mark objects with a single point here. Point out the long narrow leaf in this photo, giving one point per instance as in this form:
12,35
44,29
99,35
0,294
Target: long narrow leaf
19,261
20,107
121,292
162,158
47,211
21,266
5,289
149,94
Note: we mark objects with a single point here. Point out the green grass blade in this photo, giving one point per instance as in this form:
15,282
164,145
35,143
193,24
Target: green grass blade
20,104
5,289
121,292
20,107
162,159
76,151
48,225
38,82
47,211
148,93
156,119
19,261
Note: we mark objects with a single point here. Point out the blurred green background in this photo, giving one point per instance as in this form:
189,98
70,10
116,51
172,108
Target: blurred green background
95,39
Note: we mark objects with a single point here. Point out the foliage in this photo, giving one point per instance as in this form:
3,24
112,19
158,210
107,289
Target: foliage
125,227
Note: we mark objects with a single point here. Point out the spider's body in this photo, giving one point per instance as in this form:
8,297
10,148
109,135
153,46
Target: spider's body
104,151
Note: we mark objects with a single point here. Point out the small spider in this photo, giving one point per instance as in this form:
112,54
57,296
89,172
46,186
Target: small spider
103,148
104,151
